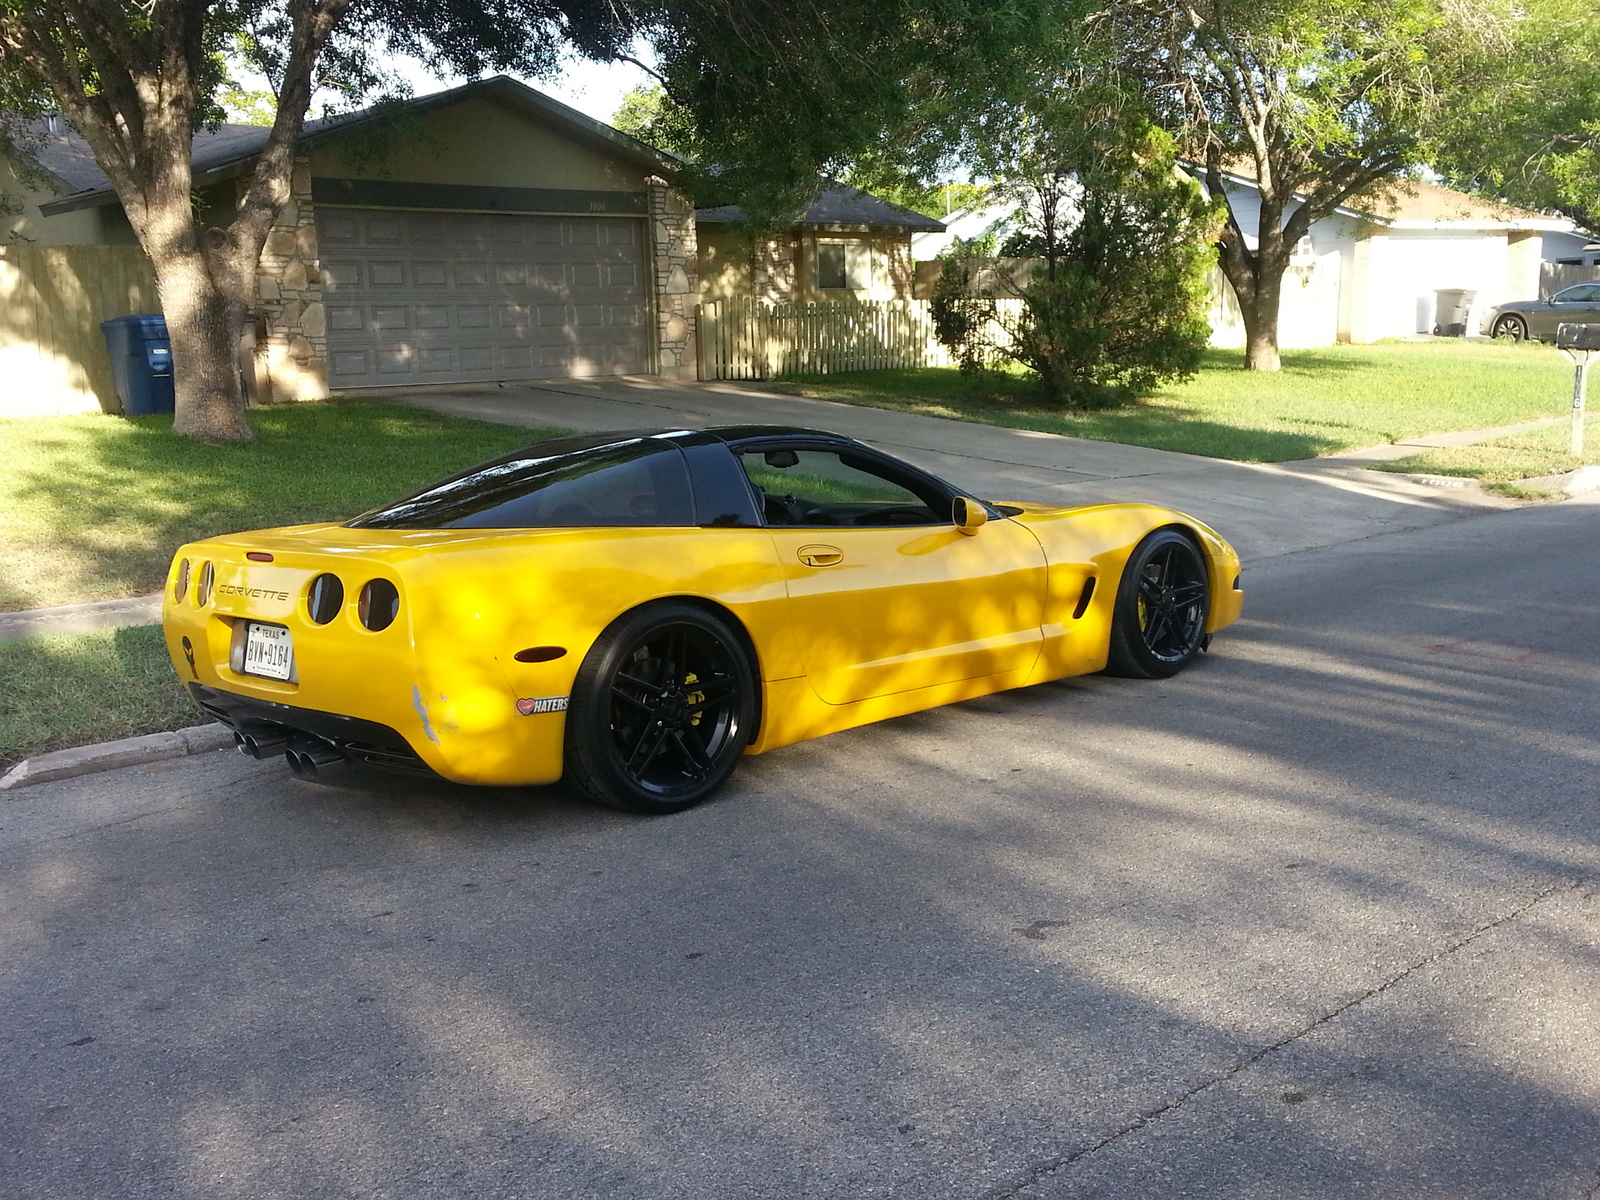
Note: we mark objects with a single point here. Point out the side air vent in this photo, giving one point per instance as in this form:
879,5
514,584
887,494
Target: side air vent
1083,599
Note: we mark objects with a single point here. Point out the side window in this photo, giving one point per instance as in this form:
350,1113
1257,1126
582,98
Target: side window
635,483
821,488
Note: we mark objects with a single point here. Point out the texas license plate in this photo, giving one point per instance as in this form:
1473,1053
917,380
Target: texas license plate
268,651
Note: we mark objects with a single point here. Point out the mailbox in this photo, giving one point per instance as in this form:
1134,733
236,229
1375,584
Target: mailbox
1577,335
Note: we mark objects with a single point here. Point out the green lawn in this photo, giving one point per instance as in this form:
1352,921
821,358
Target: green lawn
81,688
1502,461
1324,400
91,508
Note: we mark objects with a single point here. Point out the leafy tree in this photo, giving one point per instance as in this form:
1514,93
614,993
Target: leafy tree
937,200
1116,301
1530,133
649,114
1319,102
783,95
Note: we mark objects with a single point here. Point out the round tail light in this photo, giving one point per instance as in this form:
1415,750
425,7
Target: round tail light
202,590
378,605
325,598
180,587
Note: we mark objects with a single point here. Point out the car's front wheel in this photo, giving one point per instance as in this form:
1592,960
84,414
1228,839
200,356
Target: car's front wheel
1510,326
1159,621
661,710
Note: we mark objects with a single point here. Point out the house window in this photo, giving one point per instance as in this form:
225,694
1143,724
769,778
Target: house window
844,266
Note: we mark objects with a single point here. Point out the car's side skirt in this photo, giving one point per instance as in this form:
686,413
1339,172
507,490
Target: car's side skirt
793,713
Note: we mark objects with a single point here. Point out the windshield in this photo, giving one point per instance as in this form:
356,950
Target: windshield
568,483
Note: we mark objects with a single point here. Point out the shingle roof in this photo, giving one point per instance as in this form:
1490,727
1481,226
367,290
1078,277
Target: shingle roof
1412,201
228,148
837,205
1417,200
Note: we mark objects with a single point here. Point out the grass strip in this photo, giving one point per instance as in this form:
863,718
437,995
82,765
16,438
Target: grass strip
1324,400
91,508
76,689
1502,462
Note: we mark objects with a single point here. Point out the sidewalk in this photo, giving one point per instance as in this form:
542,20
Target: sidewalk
1264,509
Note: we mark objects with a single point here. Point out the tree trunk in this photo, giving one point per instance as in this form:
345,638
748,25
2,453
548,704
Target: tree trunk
205,300
1260,312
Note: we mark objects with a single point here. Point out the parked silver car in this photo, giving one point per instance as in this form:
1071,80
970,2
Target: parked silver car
1520,320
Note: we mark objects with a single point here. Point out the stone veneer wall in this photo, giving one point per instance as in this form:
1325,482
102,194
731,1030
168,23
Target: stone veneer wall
292,358
674,270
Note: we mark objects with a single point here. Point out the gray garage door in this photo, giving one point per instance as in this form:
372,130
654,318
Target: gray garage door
441,297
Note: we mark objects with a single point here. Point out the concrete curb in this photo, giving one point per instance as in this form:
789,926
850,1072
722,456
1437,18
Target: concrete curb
80,618
1584,479
108,756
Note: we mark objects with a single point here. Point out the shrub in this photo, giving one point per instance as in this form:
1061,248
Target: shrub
1113,300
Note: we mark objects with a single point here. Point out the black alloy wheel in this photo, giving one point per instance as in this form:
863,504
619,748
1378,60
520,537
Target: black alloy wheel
661,711
1159,622
1510,326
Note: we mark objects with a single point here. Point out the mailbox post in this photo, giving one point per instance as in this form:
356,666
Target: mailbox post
1580,340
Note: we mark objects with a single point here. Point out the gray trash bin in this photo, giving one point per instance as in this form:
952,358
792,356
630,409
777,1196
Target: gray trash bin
1450,308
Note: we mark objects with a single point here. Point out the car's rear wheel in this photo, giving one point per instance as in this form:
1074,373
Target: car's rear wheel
661,710
1510,326
1159,621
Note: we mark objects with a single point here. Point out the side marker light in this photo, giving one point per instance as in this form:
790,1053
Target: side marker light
538,654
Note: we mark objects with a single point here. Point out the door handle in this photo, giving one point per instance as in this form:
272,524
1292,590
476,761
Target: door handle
821,556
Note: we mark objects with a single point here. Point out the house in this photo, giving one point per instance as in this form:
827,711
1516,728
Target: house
1373,268
483,233
967,224
847,244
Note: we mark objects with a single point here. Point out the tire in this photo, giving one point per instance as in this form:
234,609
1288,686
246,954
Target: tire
1510,326
1158,625
661,710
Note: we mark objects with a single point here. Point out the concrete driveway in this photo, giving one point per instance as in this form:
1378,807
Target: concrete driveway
1263,509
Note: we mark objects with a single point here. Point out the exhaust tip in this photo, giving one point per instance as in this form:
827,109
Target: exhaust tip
307,755
259,743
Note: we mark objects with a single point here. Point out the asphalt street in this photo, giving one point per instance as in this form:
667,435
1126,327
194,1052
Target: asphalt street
1318,918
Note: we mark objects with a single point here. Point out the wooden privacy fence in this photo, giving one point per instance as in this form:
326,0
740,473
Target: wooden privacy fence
754,339
53,357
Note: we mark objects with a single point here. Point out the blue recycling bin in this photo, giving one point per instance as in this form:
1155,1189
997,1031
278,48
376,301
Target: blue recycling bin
141,363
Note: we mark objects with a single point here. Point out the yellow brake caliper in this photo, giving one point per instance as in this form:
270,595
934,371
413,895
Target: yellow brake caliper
693,698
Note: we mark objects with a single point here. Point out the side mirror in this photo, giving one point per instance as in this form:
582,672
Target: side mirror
969,515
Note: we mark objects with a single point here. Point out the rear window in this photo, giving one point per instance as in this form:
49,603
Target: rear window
636,481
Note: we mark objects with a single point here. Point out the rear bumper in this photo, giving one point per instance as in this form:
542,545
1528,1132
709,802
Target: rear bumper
360,741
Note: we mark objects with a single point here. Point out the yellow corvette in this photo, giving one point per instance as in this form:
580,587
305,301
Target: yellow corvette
633,611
